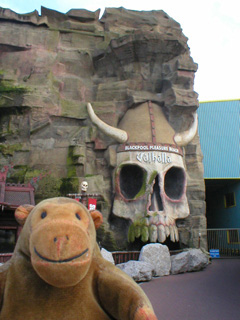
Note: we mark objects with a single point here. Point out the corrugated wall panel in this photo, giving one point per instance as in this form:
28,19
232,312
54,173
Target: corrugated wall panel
219,131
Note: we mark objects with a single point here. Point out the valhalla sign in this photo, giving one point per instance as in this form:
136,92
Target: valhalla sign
151,157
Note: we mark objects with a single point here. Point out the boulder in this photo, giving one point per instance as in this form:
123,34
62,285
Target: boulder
107,255
192,260
197,260
138,270
158,256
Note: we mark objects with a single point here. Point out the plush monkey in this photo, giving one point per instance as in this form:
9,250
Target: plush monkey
57,271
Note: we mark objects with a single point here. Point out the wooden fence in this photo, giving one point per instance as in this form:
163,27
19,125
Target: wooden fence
4,257
125,256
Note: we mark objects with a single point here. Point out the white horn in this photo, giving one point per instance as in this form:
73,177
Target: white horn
183,138
120,135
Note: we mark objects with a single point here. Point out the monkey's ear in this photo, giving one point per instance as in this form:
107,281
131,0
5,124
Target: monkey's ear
97,218
22,212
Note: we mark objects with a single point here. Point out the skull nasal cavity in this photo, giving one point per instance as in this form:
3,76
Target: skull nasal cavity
131,180
156,200
174,183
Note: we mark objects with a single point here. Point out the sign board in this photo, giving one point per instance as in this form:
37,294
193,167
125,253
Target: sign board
214,253
92,204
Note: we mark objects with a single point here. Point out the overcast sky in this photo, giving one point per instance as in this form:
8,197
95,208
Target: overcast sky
212,27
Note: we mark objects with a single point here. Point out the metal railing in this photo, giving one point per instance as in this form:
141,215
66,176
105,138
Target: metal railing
227,241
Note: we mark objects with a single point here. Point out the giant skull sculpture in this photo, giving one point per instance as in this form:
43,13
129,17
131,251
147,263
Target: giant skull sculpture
150,178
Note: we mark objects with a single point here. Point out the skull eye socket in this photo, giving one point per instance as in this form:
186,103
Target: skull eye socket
174,183
131,179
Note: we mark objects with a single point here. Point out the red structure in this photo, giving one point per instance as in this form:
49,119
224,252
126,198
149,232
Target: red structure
88,199
11,196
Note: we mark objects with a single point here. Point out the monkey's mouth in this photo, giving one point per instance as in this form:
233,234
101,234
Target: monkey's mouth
60,261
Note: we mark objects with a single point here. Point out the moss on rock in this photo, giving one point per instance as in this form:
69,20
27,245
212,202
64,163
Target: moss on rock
18,174
68,185
71,169
9,149
7,87
49,187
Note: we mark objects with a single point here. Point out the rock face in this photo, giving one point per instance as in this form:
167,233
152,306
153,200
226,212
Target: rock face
53,64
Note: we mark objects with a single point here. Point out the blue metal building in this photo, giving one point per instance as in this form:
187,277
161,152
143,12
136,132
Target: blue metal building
219,131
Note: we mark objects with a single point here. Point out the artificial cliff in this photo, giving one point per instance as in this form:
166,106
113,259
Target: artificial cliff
53,64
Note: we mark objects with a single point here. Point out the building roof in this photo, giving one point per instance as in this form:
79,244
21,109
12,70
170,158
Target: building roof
14,195
219,131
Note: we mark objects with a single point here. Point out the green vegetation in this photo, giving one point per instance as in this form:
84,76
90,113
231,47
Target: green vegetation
8,87
105,239
138,229
152,177
68,185
8,150
143,188
144,234
131,233
18,174
71,169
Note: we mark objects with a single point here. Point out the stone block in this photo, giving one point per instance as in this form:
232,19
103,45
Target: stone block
197,260
180,98
76,62
197,207
112,91
188,261
107,255
158,256
73,109
83,15
111,156
48,157
32,17
138,270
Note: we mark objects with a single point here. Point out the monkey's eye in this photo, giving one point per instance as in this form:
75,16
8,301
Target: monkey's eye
43,214
78,216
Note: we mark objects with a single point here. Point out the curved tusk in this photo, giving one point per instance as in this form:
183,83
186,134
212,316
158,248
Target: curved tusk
115,133
183,138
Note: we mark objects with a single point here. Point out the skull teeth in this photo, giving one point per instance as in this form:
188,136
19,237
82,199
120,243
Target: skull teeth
172,234
161,233
176,233
167,230
154,232
162,220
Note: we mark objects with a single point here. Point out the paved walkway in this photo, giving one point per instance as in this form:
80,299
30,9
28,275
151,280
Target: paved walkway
211,294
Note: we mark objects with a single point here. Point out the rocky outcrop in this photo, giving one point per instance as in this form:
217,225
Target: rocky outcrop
54,63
